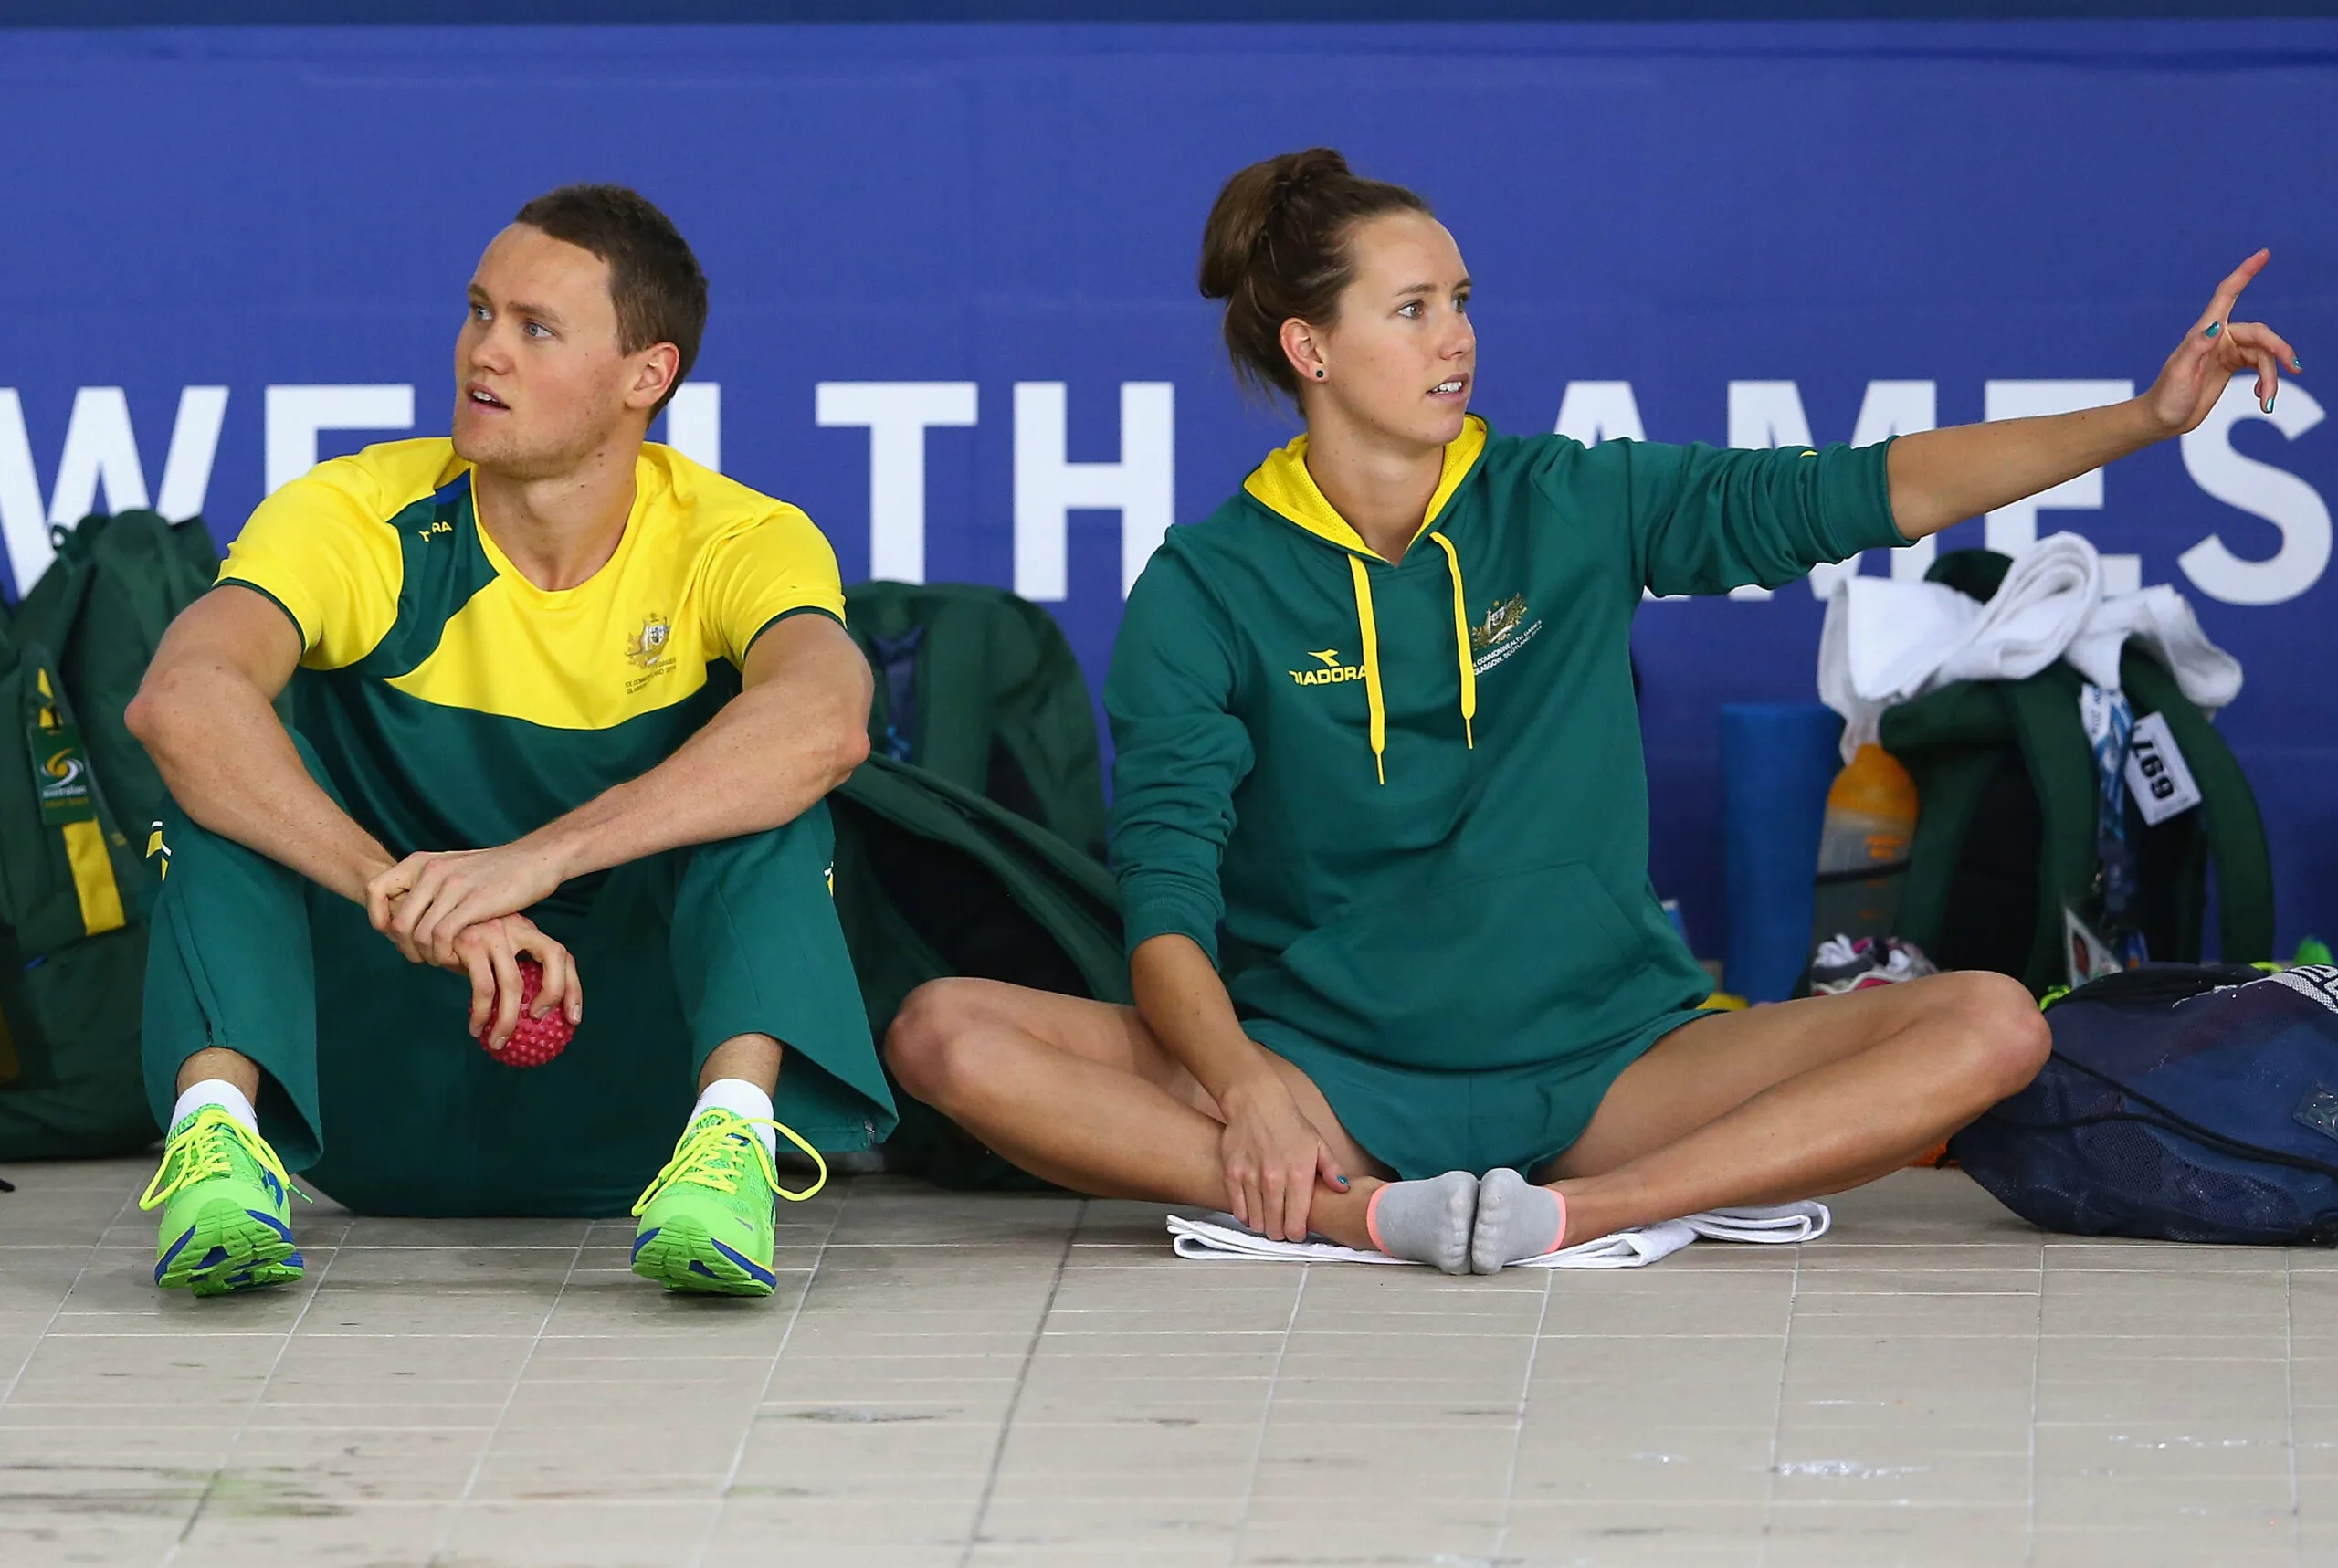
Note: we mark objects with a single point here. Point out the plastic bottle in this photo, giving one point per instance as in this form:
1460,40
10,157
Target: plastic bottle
1863,848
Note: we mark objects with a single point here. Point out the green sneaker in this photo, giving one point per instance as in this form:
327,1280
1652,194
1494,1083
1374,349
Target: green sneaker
226,1226
706,1221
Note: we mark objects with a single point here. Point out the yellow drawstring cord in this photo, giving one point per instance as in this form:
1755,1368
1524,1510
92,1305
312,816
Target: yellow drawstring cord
1461,644
1369,629
1371,632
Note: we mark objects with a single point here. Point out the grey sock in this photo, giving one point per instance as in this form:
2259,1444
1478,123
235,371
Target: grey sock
1516,1220
1427,1222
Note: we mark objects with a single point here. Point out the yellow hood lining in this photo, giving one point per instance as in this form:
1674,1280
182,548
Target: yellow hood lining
1283,485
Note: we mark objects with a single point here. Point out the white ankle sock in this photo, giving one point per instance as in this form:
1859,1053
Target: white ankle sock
215,1091
739,1098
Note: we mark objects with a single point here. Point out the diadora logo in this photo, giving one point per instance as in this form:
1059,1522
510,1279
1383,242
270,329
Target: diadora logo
1333,672
1503,632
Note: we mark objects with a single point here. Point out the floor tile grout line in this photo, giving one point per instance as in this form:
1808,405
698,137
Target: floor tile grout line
1778,1413
1022,1381
1518,1434
787,1333
2290,1398
471,1482
88,1257
2037,1358
245,1425
1267,1415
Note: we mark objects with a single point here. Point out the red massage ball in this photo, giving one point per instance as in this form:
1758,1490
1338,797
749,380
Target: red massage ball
534,1041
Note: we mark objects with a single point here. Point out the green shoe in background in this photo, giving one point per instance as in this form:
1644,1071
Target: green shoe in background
225,1199
706,1221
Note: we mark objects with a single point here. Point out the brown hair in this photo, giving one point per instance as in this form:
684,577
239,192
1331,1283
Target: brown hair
1276,248
654,278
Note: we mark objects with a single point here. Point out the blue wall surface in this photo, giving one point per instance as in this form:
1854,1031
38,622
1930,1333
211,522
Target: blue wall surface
1673,208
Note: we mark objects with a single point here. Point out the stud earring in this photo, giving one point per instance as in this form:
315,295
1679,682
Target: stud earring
1319,375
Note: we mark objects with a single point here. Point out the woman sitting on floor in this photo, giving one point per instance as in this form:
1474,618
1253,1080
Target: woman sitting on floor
1381,823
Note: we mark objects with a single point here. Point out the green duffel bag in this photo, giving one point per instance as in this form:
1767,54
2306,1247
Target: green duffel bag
76,796
934,880
2006,810
980,687
72,961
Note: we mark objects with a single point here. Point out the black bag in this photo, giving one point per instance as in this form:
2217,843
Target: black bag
2182,1103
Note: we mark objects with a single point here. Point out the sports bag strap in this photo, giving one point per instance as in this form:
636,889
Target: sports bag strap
2236,830
61,884
2046,724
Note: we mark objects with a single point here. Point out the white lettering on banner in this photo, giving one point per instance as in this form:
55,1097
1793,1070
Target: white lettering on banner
1048,487
1596,411
293,415
99,449
2014,529
2278,496
194,442
100,453
897,415
694,423
24,521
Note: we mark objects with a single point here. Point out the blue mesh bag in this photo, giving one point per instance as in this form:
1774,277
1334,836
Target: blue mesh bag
2181,1103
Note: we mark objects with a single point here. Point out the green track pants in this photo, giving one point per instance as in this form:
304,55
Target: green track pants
372,1085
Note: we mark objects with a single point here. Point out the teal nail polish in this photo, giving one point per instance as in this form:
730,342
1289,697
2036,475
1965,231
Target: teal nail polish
2269,406
2296,364
2214,327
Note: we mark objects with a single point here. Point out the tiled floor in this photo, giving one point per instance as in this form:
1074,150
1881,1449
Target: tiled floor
1021,1381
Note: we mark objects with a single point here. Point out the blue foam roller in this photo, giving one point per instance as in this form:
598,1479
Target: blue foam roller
1777,761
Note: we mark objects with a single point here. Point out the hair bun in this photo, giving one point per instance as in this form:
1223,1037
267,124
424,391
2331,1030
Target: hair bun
1275,247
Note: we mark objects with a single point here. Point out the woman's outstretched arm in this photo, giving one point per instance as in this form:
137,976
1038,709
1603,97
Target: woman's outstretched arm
1941,477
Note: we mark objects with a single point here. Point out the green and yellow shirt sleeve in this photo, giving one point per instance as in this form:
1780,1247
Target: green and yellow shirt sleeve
763,572
323,549
1179,752
1704,520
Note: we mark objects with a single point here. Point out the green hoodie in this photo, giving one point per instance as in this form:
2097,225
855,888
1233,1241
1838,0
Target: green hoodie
1412,795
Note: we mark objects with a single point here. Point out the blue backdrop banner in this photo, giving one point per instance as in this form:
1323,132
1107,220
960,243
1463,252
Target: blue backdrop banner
955,314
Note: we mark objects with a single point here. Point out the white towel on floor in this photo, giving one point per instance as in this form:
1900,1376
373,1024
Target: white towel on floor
1221,1235
1887,642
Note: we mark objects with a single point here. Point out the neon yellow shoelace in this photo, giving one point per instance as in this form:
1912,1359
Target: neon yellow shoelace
202,1150
708,1156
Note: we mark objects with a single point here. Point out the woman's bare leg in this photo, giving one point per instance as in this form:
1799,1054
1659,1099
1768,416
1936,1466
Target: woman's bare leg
1796,1101
1083,1094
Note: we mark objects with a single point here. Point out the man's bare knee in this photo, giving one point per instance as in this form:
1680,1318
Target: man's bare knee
926,1045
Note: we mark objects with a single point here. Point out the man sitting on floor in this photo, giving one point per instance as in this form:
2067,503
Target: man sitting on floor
555,694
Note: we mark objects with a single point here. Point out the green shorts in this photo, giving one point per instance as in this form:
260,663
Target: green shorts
1422,1122
372,1084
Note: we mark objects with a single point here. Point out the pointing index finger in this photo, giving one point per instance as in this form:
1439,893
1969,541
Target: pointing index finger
2228,293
